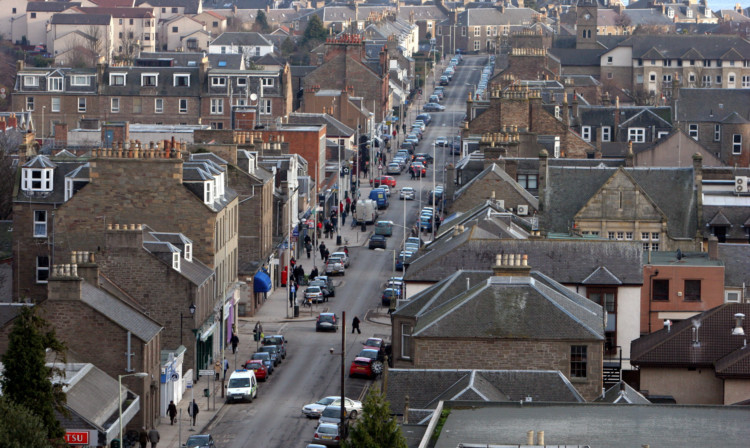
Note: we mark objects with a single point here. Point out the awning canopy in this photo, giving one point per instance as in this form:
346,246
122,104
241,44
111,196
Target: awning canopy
261,282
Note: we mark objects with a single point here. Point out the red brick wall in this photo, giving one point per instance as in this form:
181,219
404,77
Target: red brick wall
308,144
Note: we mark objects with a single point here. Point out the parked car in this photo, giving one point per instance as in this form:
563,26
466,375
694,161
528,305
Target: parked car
257,366
434,99
267,361
407,193
365,367
343,256
428,157
314,410
314,294
277,340
200,441
242,386
377,241
433,107
384,228
327,434
388,295
323,287
274,352
374,343
329,282
441,141
386,188
327,322
371,353
393,168
444,81
425,118
415,240
332,414
335,266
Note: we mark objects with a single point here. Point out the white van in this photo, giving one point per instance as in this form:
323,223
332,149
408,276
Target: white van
367,211
242,386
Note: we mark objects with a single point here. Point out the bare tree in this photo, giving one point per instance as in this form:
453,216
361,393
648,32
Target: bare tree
10,140
95,43
129,45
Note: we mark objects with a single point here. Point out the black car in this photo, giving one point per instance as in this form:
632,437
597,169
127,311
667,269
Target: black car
426,119
377,241
427,157
327,322
274,352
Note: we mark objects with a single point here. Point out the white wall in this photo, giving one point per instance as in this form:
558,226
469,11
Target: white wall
621,57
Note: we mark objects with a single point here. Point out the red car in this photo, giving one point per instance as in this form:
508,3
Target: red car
384,180
373,344
257,366
362,367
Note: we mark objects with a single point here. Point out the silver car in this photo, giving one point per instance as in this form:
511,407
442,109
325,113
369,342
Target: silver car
407,193
335,266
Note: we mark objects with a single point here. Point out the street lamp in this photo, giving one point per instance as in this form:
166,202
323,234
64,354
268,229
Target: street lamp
342,415
192,313
119,395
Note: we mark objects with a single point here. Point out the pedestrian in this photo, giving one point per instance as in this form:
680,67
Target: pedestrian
143,437
292,293
325,255
314,272
292,262
171,412
192,411
322,249
301,275
343,218
153,437
308,248
308,240
226,367
341,207
235,342
217,369
319,228
355,325
334,221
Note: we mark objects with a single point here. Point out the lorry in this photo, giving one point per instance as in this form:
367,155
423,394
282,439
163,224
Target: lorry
366,211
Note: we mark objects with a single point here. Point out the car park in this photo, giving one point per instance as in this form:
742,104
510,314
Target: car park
327,434
335,266
407,193
433,107
266,358
314,410
278,340
377,241
314,294
257,366
200,441
384,228
242,386
273,351
327,322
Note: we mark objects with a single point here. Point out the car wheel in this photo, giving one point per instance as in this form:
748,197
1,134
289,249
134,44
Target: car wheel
250,400
353,414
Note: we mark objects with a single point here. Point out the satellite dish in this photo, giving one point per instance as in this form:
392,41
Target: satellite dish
253,97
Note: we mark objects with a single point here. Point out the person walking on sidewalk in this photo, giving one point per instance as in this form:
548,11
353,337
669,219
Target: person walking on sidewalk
217,369
355,325
226,367
192,411
322,249
153,437
235,342
171,412
292,294
143,437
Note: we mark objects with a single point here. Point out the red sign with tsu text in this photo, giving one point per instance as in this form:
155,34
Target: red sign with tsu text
77,438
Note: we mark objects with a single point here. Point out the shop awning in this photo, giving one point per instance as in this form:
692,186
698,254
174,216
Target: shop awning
261,282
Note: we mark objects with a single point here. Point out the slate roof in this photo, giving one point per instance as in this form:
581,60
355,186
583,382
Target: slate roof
554,257
120,313
505,177
45,6
157,243
712,104
134,13
729,216
493,16
736,259
333,126
191,6
179,59
677,347
676,46
426,387
81,19
85,381
622,393
578,57
63,166
242,38
605,115
671,190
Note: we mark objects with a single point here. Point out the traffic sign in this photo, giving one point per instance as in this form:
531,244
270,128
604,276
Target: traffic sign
189,384
206,372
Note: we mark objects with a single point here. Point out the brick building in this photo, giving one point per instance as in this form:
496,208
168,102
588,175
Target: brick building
495,332
113,325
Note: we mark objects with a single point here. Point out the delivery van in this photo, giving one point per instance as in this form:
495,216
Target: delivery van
380,197
366,211
242,386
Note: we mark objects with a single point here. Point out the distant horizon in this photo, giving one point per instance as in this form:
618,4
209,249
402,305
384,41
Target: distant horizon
715,5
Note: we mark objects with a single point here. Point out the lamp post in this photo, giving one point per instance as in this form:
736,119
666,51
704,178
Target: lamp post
434,169
342,415
119,395
192,313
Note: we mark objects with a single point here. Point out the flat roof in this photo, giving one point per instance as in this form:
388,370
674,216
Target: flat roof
595,425
664,258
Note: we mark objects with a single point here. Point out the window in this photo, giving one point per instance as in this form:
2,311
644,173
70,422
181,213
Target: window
661,134
609,59
406,347
30,103
217,106
637,135
611,235
586,133
463,31
737,144
207,194
216,81
78,80
476,45
639,78
629,236
37,179
215,24
42,269
55,104
265,107
652,77
660,290
115,105
578,361
117,79
159,105
14,10
731,78
732,296
745,82
54,84
174,10
81,104
120,23
182,80
183,105
267,82
131,21
33,15
149,79
610,75
189,252
706,80
217,125
440,31
176,261
477,31
691,77
667,62
175,29
606,134
31,81
40,223
693,290
717,132
718,80
693,131
620,235
666,78
137,105
654,236
241,81
528,181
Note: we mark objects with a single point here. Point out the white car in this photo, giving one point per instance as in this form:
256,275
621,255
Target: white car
387,189
407,193
341,255
314,410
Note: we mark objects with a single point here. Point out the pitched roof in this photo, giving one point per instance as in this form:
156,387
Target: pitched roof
736,259
45,6
494,170
242,38
711,104
191,6
125,13
333,126
120,313
676,46
81,19
622,393
678,347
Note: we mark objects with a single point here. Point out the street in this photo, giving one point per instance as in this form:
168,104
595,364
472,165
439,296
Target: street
310,372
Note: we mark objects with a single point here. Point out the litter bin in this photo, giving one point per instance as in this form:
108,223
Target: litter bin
206,393
364,227
338,240
296,310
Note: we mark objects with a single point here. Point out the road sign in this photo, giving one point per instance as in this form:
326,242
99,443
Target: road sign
189,384
206,372
175,376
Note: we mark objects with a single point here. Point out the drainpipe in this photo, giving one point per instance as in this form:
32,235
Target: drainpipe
650,296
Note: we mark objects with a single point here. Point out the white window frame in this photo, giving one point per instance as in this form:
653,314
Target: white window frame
31,81
55,104
746,82
265,106
736,144
217,106
176,261
218,81
180,102
661,134
717,132
158,105
666,78
242,82
181,75
476,45
40,224
145,76
606,134
637,135
208,192
80,80
404,336
693,131
267,82
40,268
30,103
586,133
44,180
55,84
114,105
68,189
189,251
477,31
81,109
732,296
114,76
706,81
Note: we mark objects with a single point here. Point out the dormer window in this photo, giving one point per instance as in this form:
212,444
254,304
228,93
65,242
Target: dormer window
689,13
31,81
176,261
218,81
54,84
670,13
117,79
149,79
220,185
182,80
36,179
189,251
208,192
267,82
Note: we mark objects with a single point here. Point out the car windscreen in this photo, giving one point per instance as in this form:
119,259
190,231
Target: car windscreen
326,318
239,382
326,429
253,366
332,411
269,349
261,355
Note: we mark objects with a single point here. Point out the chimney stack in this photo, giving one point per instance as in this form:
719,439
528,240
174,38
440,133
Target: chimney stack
713,248
508,265
64,283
